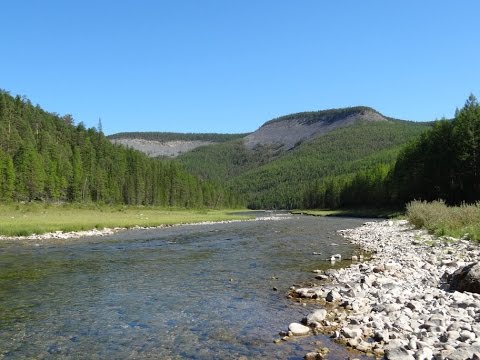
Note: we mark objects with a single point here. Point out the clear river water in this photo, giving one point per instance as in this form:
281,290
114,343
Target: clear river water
214,291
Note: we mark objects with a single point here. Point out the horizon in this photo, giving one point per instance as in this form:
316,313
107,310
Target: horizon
216,67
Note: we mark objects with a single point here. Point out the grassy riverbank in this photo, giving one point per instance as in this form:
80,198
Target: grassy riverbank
440,219
28,219
359,212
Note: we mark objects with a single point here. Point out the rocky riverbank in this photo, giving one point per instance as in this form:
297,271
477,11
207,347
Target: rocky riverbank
397,305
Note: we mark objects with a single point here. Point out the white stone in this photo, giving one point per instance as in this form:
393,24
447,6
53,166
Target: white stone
317,316
298,329
351,333
333,295
424,354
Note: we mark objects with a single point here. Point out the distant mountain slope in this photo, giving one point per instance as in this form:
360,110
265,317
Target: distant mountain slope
279,137
288,131
281,182
167,144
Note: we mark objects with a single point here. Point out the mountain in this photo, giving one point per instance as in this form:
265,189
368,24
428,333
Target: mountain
164,144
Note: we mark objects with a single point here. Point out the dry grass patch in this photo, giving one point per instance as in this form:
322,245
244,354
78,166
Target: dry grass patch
440,219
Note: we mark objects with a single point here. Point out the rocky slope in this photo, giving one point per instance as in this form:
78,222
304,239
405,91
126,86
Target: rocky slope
288,131
155,148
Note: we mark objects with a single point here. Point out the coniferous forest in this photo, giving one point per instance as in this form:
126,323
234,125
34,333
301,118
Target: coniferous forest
443,163
47,157
343,168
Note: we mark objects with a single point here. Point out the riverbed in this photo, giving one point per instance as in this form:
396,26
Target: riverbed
210,291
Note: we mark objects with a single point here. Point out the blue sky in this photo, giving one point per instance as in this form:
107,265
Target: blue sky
229,66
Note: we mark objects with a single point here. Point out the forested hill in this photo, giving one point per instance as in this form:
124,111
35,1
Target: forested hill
44,156
268,176
327,161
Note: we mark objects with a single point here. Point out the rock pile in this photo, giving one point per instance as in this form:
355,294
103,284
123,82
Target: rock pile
398,305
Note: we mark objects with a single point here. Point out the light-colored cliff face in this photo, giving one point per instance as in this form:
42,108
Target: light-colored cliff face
160,148
287,132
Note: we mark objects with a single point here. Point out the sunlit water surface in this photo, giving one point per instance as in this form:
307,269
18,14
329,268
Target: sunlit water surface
186,292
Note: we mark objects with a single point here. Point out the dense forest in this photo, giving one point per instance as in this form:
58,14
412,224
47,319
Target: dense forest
47,157
312,174
169,136
444,163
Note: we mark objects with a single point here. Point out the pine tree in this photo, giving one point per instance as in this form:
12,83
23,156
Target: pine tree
7,177
30,175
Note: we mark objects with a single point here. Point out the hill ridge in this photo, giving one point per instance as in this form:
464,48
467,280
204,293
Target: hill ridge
289,131
330,115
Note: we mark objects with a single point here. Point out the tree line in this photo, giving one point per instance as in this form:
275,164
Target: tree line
170,136
47,157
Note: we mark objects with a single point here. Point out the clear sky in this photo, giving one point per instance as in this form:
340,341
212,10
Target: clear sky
229,66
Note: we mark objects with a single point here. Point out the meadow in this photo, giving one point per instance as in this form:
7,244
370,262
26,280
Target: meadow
39,218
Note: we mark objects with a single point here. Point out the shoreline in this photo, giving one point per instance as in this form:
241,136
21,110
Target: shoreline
394,305
61,235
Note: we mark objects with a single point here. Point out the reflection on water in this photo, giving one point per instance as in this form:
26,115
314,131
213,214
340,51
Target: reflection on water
189,292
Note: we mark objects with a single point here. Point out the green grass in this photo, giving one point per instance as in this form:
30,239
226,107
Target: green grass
443,220
28,219
360,212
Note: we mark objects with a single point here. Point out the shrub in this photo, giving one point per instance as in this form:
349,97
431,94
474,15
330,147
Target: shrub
440,219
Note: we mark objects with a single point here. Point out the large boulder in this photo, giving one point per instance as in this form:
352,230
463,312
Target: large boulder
466,278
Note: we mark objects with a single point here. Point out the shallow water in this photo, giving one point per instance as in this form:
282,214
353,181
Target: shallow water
187,292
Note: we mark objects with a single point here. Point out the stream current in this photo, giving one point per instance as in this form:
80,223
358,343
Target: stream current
214,291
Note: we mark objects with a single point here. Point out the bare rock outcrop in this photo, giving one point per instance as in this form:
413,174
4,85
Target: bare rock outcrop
288,131
155,148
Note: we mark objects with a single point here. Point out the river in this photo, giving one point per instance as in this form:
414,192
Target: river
213,291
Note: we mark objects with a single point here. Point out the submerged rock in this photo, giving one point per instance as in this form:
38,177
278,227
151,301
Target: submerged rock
298,329
314,355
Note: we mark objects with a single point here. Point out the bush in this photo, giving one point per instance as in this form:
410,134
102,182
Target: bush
440,219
